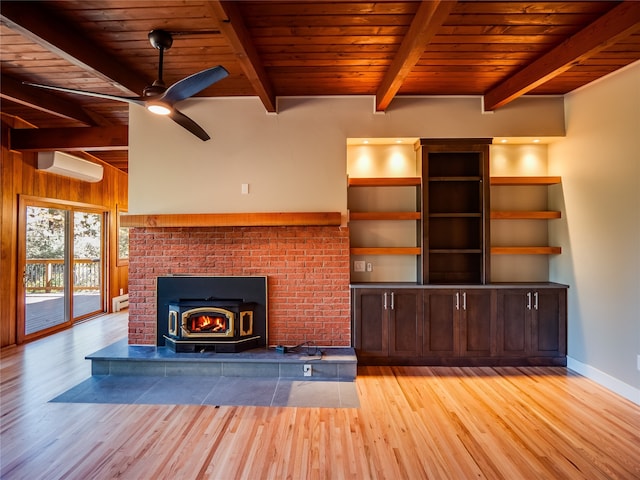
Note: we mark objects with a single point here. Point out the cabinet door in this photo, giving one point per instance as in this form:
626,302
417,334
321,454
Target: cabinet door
549,323
514,322
477,323
440,328
405,323
371,323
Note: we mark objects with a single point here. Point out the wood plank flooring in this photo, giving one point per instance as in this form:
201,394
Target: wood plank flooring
413,423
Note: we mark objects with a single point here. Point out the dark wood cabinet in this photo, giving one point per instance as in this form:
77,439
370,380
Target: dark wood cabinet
532,322
455,207
441,330
459,323
477,323
487,325
371,323
387,322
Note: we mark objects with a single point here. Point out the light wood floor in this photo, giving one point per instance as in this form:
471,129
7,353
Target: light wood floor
413,423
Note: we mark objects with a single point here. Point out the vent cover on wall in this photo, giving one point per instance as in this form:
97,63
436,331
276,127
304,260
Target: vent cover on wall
67,165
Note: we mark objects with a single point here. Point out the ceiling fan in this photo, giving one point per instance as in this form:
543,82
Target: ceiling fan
157,98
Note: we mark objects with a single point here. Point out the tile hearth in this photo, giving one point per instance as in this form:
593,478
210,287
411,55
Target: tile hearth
142,360
213,391
134,374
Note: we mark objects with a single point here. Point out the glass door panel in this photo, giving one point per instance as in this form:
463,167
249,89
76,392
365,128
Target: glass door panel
46,268
87,264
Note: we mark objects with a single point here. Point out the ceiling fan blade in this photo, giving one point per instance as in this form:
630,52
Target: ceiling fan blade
135,100
185,122
193,84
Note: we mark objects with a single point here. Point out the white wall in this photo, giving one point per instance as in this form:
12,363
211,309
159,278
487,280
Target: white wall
295,160
599,162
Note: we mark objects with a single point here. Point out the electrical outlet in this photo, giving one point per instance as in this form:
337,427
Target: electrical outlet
306,369
359,266
369,267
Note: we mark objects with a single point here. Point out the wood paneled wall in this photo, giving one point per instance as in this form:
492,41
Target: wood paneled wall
19,176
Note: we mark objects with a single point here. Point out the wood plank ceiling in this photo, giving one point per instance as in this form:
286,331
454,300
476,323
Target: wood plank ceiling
500,50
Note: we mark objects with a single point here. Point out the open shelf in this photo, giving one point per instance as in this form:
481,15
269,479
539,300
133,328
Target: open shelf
353,216
385,182
385,250
526,250
525,180
525,215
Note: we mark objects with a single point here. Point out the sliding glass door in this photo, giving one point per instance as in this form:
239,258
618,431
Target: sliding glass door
87,264
46,268
62,260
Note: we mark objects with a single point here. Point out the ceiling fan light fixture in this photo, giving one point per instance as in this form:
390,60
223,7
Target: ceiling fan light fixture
159,109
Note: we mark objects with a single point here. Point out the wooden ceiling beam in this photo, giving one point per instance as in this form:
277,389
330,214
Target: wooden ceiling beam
429,17
69,139
15,91
235,31
40,26
618,23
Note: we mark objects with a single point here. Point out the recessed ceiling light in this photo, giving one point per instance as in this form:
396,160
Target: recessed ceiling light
536,140
365,141
504,140
398,141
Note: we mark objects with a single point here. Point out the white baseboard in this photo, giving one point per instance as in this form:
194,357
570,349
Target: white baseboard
606,380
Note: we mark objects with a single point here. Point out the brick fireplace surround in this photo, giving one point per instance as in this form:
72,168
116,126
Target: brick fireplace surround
307,270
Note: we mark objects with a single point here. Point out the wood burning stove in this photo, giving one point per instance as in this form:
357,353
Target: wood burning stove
220,325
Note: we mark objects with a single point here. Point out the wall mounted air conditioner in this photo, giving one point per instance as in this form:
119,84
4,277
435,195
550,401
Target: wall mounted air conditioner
62,163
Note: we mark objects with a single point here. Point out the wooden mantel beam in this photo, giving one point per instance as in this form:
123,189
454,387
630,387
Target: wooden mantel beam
35,22
252,219
69,139
429,17
618,23
234,30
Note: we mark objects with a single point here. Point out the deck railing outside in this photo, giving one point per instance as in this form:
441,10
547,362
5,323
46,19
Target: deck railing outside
46,275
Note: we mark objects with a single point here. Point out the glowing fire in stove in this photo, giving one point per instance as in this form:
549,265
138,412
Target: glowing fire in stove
206,323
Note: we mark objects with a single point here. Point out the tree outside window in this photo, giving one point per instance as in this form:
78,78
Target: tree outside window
123,241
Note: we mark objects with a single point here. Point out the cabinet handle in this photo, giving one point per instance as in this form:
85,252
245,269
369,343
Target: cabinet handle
385,300
392,301
529,300
457,301
464,300
535,300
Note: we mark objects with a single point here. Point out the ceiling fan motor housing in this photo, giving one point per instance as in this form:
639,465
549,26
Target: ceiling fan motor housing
160,39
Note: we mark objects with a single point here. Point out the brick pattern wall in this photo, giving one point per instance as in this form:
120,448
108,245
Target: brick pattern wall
307,270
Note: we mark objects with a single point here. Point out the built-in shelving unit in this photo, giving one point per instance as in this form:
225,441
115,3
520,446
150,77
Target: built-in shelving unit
459,310
399,216
455,231
532,181
384,210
